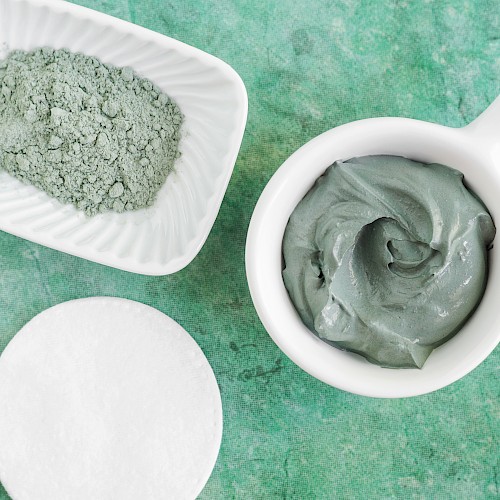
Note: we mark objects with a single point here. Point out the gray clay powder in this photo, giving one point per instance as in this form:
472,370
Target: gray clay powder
85,132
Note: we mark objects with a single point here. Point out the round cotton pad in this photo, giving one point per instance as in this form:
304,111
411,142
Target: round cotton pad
106,398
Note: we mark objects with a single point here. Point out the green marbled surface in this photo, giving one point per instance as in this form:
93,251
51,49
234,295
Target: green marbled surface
308,66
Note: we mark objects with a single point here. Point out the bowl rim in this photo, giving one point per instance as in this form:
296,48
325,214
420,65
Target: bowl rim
263,257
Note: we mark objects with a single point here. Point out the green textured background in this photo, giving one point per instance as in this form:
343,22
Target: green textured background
308,66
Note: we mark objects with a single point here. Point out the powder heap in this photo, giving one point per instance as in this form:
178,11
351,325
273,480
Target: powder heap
85,132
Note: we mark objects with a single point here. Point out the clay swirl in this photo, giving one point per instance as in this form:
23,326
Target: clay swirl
387,257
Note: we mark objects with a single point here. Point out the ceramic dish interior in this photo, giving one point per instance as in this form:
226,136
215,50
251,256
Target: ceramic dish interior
474,150
166,237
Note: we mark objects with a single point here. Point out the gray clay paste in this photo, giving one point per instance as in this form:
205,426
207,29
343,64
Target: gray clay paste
386,257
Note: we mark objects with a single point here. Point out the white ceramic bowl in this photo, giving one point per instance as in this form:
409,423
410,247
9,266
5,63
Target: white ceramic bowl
166,237
474,150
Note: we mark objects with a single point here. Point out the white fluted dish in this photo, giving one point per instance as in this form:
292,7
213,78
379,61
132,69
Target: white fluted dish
167,236
474,150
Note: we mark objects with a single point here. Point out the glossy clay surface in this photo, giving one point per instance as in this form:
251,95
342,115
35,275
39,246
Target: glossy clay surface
386,257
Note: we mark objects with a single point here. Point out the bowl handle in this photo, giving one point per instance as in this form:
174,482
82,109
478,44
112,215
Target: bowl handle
486,127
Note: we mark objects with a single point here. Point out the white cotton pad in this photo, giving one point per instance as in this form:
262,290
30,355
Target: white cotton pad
106,398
